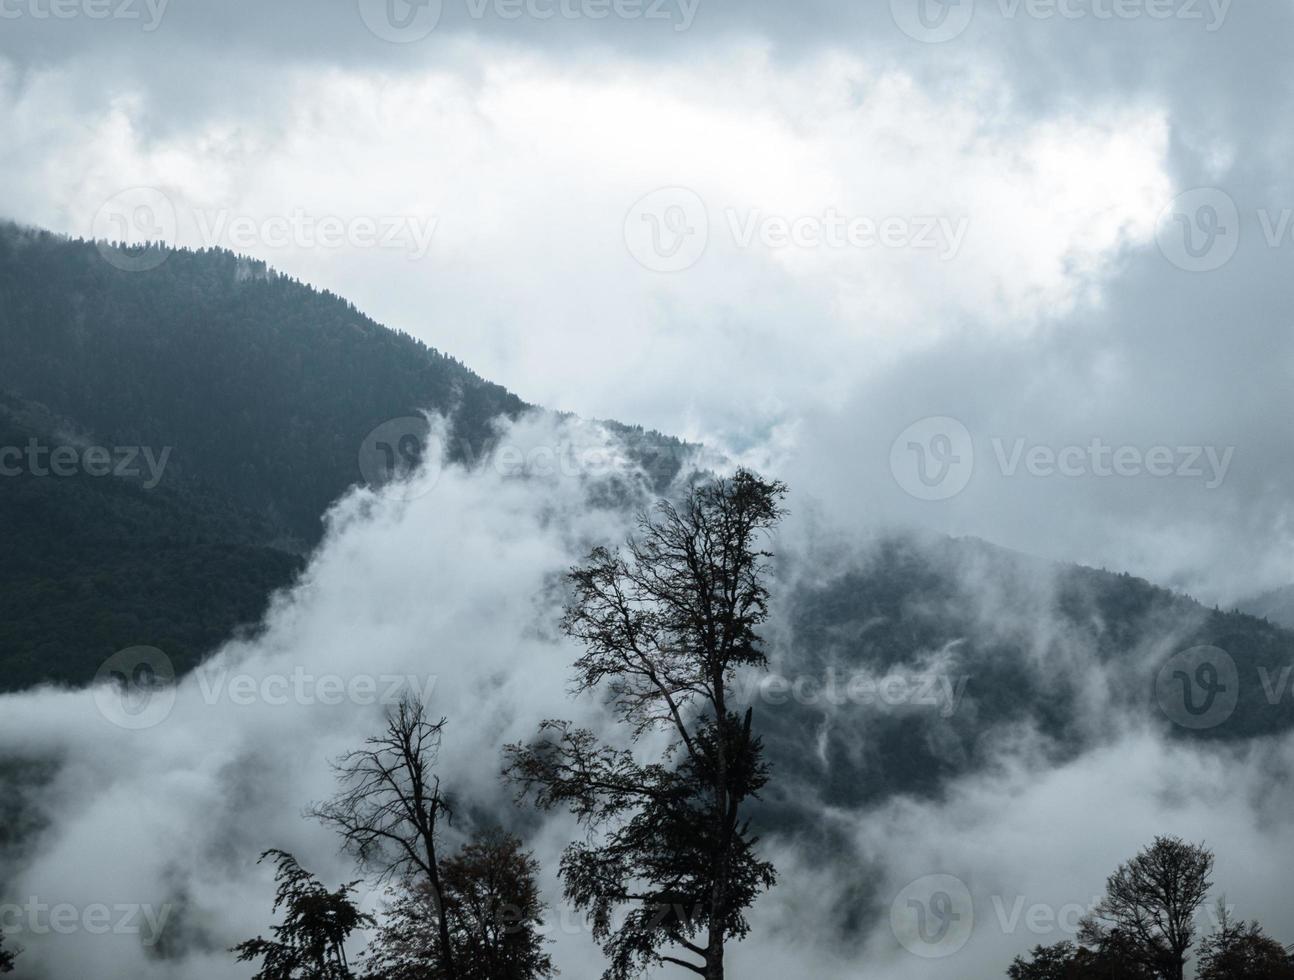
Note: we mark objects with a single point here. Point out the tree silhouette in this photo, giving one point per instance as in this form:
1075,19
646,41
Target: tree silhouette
7,957
1242,951
390,808
1047,963
1150,905
666,623
1065,961
494,926
310,943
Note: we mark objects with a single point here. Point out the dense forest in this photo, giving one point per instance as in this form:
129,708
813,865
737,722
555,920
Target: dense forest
255,391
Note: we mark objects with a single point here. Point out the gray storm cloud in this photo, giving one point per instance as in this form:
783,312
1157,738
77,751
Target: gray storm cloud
1065,317
1061,319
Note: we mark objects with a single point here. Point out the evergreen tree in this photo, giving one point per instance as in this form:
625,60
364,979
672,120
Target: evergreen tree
310,943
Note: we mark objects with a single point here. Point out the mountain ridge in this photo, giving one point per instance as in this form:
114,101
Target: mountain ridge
260,393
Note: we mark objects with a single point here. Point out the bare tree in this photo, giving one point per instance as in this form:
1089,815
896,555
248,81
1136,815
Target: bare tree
1151,904
666,623
390,808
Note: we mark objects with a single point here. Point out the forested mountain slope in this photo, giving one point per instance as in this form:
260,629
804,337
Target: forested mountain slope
240,399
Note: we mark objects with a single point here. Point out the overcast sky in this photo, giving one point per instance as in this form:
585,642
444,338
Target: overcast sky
792,230
1011,268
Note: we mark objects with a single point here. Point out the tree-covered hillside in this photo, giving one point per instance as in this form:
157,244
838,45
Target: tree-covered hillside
259,390
982,648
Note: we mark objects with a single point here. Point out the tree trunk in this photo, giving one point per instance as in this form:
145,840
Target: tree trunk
714,956
442,916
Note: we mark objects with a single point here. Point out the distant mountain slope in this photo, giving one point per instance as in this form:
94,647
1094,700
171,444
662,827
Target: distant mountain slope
265,387
93,565
260,389
1276,606
1061,656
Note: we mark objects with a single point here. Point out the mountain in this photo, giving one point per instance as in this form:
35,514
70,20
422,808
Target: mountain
240,399
989,647
258,392
1276,605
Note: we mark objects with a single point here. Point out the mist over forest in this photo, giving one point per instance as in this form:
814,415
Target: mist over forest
505,489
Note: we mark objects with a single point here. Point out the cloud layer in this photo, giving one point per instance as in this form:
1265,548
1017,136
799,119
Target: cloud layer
447,583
